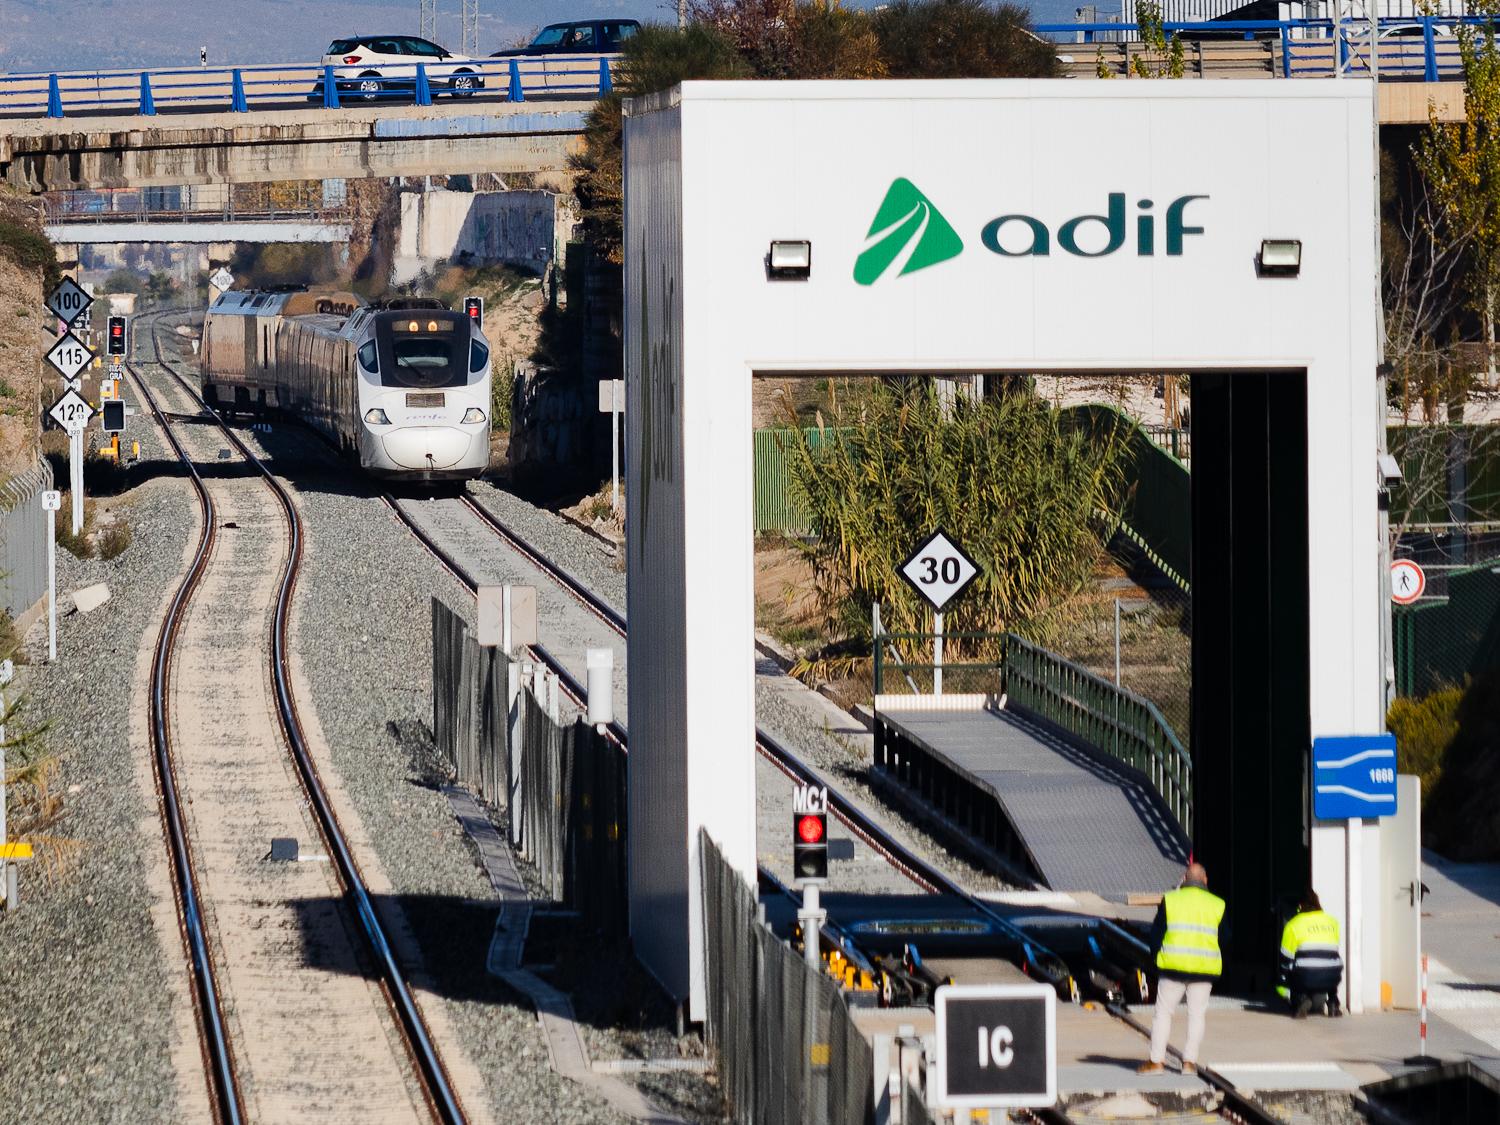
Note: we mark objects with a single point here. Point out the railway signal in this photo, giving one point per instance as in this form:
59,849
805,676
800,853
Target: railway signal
474,310
810,833
115,344
113,411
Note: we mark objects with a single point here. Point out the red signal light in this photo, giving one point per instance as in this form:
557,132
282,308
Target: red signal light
351,58
810,829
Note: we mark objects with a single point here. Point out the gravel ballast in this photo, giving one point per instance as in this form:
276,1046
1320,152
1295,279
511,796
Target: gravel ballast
85,1014
363,637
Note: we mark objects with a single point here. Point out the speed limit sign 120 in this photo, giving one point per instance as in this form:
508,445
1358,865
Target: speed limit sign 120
939,570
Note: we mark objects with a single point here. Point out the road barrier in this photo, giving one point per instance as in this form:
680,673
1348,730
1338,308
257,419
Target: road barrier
246,89
23,533
788,1051
1426,48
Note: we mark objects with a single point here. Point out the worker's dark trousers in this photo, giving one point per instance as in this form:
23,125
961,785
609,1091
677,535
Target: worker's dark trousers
1320,988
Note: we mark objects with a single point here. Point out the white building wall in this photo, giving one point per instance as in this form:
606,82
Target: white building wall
764,161
663,821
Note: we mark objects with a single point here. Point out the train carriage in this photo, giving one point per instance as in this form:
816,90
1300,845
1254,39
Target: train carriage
402,388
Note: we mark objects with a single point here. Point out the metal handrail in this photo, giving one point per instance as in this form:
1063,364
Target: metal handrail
241,89
1308,45
1108,717
1113,720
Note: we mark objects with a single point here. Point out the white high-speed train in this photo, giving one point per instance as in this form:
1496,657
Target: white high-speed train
403,388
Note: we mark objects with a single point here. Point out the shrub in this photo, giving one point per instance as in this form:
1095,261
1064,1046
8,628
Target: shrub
960,39
1462,816
1424,729
80,545
113,540
31,250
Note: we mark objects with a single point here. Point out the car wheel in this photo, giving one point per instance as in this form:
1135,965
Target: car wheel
463,84
370,86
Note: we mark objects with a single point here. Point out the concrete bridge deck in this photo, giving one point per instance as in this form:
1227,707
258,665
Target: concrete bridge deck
44,154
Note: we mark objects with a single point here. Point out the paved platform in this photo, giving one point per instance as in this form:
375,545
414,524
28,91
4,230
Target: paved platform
1086,823
1461,934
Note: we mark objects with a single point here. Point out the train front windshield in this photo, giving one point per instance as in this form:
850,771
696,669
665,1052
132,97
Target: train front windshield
425,351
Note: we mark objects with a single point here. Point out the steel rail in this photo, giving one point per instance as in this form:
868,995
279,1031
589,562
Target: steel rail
435,1081
1038,960
1235,1106
218,1058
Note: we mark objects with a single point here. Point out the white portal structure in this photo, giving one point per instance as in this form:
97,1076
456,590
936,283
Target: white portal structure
1034,226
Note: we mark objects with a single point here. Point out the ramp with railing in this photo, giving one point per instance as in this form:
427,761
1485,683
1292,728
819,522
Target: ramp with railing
1036,767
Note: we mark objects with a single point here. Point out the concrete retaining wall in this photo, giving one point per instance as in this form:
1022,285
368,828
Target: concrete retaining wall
484,228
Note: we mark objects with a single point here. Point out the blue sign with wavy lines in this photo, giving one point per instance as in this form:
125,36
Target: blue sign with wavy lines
1354,776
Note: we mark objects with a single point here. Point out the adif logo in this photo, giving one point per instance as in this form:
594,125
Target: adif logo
907,229
910,232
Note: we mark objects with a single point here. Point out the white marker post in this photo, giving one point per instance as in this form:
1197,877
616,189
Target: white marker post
51,502
939,570
937,653
70,357
612,399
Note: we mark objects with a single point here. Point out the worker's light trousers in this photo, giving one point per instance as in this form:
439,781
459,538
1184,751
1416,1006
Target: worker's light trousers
1169,994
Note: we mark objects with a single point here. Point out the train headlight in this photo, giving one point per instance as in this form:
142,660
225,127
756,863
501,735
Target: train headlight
473,414
376,417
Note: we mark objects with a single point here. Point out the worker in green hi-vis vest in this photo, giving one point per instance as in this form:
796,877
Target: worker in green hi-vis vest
1188,961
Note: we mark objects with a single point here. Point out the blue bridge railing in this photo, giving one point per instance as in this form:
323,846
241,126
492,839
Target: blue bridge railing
1421,48
245,89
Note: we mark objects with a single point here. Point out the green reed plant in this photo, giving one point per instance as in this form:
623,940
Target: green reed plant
1028,495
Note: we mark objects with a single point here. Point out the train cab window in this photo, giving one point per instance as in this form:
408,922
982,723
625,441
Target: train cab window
479,356
368,357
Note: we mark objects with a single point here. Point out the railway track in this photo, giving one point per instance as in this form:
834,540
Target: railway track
225,1081
1080,970
1032,954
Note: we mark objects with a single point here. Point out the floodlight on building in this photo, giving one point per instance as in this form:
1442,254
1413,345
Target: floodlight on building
789,261
1280,257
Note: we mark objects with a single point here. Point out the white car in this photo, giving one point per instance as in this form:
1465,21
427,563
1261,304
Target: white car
375,66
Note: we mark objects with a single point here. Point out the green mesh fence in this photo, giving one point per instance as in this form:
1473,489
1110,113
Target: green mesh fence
1439,643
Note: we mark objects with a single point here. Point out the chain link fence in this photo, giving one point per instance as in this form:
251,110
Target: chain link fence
788,1051
23,533
1438,643
563,783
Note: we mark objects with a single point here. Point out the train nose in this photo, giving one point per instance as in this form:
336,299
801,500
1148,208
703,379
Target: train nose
426,447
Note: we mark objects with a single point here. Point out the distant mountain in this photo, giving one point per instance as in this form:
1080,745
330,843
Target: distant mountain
46,35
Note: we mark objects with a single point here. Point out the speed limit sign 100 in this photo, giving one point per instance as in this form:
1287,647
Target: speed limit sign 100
939,570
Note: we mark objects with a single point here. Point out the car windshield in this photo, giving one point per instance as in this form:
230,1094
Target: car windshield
550,36
341,46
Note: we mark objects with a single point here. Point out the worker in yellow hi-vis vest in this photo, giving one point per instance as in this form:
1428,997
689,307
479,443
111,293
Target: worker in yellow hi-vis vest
1188,961
1311,966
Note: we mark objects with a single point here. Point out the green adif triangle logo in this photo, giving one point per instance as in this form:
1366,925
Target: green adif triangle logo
907,218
